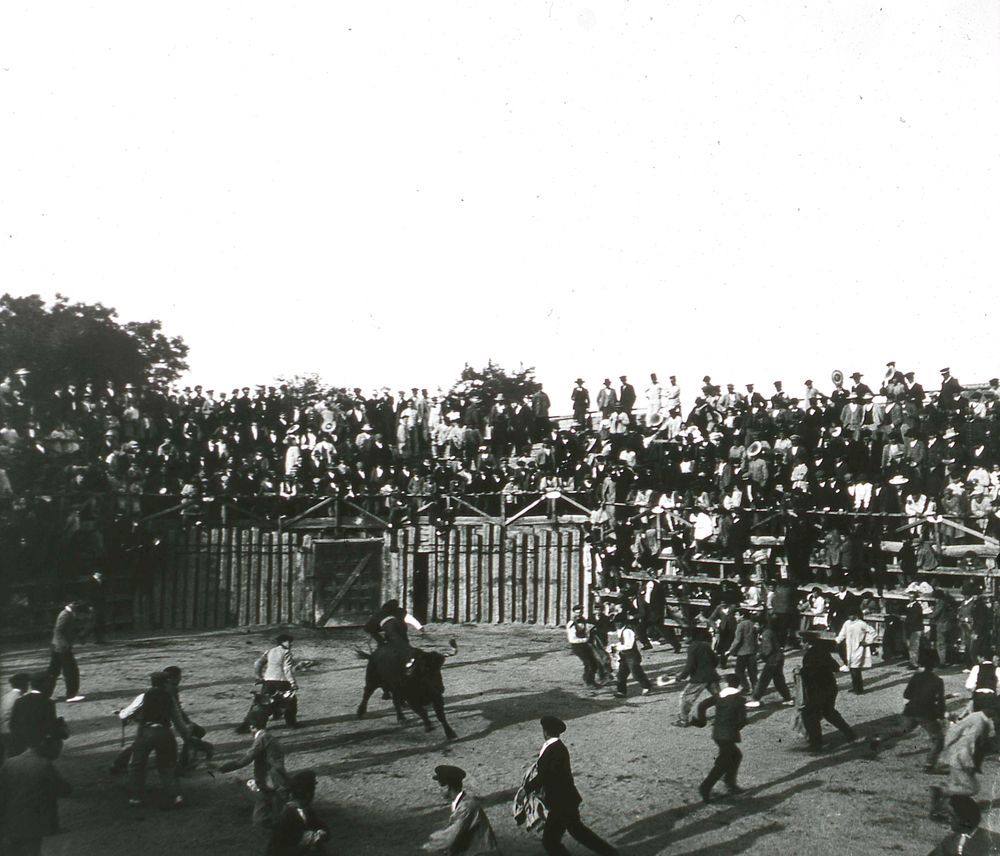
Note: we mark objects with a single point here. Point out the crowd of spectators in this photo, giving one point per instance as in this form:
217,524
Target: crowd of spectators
712,471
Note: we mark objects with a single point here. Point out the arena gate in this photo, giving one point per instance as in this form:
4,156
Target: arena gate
343,580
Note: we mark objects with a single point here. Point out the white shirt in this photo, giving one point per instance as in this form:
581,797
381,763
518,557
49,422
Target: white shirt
457,800
626,639
970,683
547,744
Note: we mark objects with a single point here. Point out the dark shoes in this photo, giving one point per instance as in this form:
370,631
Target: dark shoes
706,793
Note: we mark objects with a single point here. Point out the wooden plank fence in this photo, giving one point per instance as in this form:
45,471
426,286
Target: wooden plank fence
229,576
492,574
217,577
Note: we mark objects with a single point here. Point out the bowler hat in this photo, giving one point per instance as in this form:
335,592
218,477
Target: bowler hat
553,725
446,774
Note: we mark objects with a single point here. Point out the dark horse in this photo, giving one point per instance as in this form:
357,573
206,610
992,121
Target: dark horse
419,687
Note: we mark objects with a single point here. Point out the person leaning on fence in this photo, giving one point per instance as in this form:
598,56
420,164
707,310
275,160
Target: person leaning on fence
154,711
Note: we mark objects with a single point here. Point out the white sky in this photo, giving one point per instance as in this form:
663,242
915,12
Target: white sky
379,192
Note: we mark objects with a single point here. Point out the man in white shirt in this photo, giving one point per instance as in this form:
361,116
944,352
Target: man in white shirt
578,636
630,660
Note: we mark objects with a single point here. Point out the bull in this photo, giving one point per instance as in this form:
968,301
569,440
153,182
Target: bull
418,687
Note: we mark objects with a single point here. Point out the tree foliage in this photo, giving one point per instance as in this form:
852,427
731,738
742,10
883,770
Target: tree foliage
493,380
79,342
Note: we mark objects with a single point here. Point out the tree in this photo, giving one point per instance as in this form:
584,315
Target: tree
493,380
79,342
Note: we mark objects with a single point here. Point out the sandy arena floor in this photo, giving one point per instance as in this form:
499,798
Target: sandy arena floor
637,774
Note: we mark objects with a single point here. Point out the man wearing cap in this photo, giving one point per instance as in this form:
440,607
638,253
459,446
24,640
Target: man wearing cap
951,391
468,830
555,776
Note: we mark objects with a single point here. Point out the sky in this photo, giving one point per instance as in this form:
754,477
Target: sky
380,192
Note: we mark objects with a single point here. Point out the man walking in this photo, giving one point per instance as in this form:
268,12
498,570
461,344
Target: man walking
629,658
578,635
730,717
468,831
772,656
924,696
562,799
819,687
744,648
699,670
62,660
154,712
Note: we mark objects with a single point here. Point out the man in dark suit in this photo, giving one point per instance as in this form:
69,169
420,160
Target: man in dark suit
562,799
730,717
33,720
581,403
29,789
626,398
951,391
468,829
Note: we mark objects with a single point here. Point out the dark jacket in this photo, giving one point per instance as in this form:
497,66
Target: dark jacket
730,714
33,718
286,834
745,639
924,696
770,650
29,788
700,665
914,620
555,775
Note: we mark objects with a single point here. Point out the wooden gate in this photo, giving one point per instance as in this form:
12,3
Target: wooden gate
346,580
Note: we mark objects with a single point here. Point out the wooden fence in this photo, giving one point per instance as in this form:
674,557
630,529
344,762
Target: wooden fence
215,577
488,573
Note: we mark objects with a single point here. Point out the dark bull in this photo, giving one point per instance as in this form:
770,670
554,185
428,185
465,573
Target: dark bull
421,687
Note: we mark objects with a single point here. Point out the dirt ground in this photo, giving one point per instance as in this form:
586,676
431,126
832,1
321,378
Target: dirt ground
638,775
